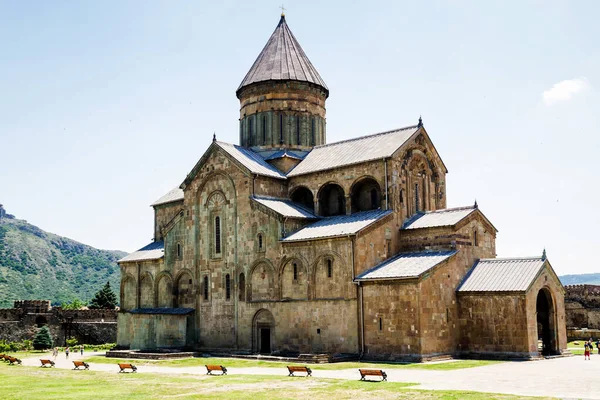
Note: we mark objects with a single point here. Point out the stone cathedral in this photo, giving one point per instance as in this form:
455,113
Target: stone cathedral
286,244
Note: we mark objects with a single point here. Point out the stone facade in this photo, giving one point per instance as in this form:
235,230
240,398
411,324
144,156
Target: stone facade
232,278
87,326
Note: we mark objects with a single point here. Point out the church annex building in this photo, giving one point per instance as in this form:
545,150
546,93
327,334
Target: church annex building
285,244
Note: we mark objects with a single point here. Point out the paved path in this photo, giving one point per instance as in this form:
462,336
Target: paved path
570,377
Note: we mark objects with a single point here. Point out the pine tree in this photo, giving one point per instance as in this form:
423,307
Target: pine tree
104,298
42,340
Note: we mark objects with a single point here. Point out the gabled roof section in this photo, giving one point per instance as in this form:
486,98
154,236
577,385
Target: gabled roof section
281,59
296,155
439,218
340,225
354,151
246,158
285,208
153,251
502,275
173,195
406,266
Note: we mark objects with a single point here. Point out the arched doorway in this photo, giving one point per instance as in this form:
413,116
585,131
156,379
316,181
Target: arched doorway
332,200
304,196
40,321
263,328
546,332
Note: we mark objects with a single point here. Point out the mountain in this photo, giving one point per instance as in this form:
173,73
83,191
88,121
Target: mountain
35,264
579,279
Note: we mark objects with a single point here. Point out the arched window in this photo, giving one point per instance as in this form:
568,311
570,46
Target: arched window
401,196
242,287
260,242
298,130
205,288
312,132
380,324
227,287
417,208
251,138
217,235
295,272
178,250
329,268
475,239
264,129
280,128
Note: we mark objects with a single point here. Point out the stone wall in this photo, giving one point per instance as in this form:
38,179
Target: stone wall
150,331
582,304
87,326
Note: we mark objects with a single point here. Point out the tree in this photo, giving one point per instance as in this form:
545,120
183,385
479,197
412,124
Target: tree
42,340
105,298
74,305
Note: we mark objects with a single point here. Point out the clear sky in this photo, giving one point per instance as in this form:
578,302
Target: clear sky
107,105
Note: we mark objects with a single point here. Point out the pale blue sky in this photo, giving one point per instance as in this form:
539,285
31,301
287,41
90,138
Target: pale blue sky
107,105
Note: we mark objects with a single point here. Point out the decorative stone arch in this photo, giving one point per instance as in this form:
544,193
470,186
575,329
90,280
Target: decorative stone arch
303,195
298,288
331,199
365,194
328,289
263,332
419,171
546,322
262,282
128,292
210,177
184,289
163,289
147,297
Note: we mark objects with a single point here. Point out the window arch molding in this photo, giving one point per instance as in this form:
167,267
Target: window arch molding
319,272
300,268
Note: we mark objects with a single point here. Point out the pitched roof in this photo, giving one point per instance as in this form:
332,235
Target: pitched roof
249,159
502,274
282,58
173,195
406,265
285,207
153,251
340,225
431,219
353,151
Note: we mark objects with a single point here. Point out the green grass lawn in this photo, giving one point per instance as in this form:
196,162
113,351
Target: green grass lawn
243,363
26,354
29,383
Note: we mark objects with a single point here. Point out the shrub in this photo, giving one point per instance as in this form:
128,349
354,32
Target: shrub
71,342
42,339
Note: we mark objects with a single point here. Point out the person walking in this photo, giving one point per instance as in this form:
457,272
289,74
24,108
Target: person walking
586,351
55,353
67,352
81,349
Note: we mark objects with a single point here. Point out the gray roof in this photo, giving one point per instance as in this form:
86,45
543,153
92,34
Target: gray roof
153,251
168,311
172,196
406,265
249,159
431,219
298,155
282,58
353,151
340,225
502,274
284,207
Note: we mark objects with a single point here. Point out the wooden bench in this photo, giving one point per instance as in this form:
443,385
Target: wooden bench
124,366
298,368
372,372
47,363
12,360
83,364
211,368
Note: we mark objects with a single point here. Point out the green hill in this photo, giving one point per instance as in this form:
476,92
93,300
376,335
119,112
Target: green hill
35,264
580,279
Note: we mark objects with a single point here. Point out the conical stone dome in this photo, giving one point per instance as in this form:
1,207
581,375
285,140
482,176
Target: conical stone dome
282,98
282,59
